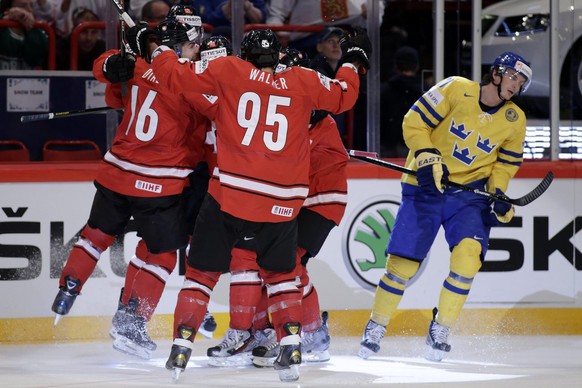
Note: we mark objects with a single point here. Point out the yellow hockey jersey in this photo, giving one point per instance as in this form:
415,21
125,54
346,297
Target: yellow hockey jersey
474,144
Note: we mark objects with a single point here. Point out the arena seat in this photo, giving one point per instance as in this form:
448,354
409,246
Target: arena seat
13,151
70,150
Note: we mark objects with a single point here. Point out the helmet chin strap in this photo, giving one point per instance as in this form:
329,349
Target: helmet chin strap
498,85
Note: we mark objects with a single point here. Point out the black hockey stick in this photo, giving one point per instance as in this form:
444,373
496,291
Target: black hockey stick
58,115
521,201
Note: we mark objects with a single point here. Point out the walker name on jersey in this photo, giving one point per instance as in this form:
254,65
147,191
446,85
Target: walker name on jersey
282,211
147,186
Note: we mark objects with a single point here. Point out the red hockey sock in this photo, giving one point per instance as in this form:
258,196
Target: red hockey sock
261,320
193,298
85,254
245,288
284,299
135,264
149,282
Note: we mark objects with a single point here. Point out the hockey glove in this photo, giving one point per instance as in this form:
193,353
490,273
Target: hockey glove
498,212
139,37
431,171
356,49
118,68
317,116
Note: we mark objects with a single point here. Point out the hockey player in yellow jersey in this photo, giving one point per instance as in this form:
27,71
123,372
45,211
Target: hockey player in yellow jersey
471,133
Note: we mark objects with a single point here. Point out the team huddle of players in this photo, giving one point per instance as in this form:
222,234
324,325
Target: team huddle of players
237,159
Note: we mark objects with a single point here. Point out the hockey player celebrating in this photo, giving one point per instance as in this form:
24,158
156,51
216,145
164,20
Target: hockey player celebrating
142,176
263,173
473,133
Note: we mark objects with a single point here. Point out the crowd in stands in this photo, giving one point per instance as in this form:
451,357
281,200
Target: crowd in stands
24,45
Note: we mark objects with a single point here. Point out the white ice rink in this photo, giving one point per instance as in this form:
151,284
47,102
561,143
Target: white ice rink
513,361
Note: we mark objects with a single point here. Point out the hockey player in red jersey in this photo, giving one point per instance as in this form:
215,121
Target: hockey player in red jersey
142,176
322,210
262,176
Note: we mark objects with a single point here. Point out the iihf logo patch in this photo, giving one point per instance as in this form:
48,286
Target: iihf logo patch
511,115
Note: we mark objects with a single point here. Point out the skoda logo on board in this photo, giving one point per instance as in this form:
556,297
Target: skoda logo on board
366,237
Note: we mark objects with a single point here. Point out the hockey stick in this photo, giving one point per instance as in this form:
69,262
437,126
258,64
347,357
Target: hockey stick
57,115
126,18
521,201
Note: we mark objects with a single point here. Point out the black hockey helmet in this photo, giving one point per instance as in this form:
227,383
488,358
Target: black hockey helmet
261,48
182,24
214,47
290,57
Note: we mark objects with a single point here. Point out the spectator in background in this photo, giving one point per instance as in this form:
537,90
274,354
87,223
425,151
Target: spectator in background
21,48
327,59
65,22
46,11
310,12
154,11
90,44
217,12
396,97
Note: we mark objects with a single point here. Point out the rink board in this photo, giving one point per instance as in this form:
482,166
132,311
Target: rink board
530,283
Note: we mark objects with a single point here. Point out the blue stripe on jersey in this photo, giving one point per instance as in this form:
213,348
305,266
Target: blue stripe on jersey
511,153
454,289
430,109
508,162
423,117
391,290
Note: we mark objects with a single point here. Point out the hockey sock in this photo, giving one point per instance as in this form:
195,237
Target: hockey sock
261,320
451,302
311,314
391,288
85,254
284,299
149,282
310,300
465,263
135,264
245,288
193,298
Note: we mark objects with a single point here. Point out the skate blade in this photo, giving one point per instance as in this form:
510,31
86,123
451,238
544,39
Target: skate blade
205,333
238,360
126,346
289,374
322,356
57,319
176,372
113,333
365,353
434,354
264,362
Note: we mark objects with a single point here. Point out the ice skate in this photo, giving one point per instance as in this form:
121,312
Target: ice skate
436,339
289,358
267,348
132,337
181,351
234,349
208,326
373,334
120,318
65,298
315,344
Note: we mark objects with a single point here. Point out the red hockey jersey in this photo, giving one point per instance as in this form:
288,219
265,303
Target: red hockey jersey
262,128
158,141
328,180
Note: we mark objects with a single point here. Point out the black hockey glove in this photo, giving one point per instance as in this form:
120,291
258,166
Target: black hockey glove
139,36
356,48
118,68
317,116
